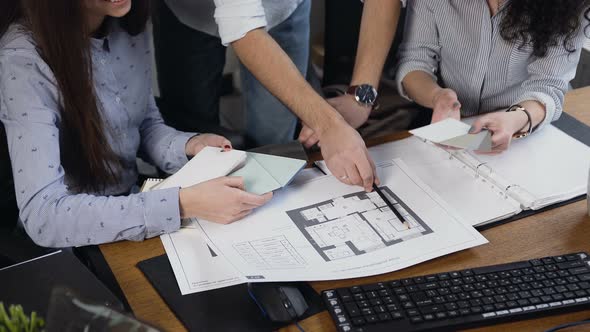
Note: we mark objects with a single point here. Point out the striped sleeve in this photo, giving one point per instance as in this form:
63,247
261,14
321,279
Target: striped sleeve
548,79
420,50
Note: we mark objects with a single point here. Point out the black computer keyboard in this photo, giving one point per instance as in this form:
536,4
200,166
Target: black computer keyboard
464,299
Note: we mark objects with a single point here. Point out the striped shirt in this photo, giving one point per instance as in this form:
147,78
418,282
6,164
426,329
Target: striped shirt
459,42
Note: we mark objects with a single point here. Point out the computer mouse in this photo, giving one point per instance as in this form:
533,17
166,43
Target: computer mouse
279,303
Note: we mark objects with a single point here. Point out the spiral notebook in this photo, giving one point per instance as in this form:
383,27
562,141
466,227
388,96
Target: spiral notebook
546,168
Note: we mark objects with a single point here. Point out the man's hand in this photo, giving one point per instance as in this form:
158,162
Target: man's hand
199,142
354,113
347,157
502,125
446,105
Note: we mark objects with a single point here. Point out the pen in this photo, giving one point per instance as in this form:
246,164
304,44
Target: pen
390,206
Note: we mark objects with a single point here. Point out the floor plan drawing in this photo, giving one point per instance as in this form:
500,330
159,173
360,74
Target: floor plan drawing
274,252
356,224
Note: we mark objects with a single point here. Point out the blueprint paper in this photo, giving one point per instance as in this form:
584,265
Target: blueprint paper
454,133
323,230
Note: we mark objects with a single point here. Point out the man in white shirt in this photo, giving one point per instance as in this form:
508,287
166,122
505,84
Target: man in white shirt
191,56
244,24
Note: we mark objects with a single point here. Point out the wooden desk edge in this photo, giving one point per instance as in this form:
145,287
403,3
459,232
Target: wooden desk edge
123,257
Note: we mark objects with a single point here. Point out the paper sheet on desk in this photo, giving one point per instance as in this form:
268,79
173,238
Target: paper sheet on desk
322,230
454,133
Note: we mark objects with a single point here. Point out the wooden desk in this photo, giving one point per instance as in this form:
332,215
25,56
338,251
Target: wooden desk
565,229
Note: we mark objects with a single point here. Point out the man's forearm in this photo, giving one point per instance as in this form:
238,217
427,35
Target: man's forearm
378,26
274,69
421,88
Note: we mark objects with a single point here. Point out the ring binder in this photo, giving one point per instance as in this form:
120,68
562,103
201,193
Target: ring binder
508,188
477,169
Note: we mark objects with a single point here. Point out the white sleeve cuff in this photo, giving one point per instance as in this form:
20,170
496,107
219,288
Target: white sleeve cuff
552,112
235,20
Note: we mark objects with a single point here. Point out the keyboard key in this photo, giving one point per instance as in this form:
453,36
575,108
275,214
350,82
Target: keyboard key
371,295
367,311
392,307
443,276
570,264
384,317
371,319
407,281
453,313
428,317
379,309
579,270
476,310
451,306
546,298
429,285
352,309
431,278
413,312
512,304
523,302
419,280
416,319
356,289
363,304
431,309
488,308
395,284
464,311
373,287
454,275
396,315
376,302
572,257
500,306
358,321
441,315
584,277
359,296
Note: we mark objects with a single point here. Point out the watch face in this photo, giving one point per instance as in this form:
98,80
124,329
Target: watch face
366,94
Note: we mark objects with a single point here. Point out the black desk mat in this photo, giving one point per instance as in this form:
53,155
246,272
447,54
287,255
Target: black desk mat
225,309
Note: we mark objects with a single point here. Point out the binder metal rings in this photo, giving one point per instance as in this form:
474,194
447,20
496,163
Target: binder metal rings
477,169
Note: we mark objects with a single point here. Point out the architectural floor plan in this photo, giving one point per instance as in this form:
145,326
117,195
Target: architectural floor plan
356,224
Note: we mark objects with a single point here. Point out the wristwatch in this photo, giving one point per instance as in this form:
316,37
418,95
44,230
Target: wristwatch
365,95
522,133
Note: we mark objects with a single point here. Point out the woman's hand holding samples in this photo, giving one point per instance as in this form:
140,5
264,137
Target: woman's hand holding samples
199,142
446,105
222,200
502,125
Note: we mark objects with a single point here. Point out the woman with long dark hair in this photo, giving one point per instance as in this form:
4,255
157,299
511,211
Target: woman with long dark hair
465,58
76,102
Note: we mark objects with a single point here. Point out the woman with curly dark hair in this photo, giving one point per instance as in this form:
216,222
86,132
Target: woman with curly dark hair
511,60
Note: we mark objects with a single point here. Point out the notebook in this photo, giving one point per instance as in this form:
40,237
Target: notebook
546,168
262,173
